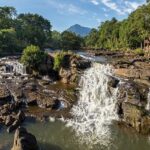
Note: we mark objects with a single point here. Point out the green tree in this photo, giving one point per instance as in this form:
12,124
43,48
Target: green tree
70,41
109,34
56,40
8,41
6,17
33,29
127,34
91,39
32,56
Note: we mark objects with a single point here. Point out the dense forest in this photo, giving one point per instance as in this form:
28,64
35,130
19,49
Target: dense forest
17,31
127,34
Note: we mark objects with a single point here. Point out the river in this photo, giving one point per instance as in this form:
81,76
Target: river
94,124
55,136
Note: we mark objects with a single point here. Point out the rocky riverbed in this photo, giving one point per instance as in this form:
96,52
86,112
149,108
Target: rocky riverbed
24,94
50,93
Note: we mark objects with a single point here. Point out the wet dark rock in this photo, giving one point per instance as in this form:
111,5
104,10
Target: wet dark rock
20,116
14,126
129,92
113,82
83,64
46,66
132,100
24,140
9,120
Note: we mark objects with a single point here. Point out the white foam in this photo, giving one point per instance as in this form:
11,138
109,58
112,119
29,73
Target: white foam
148,102
96,107
14,67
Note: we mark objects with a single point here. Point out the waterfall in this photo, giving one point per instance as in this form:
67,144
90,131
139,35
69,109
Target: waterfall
19,68
13,66
96,107
148,102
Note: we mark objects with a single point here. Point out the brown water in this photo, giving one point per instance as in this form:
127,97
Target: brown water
55,136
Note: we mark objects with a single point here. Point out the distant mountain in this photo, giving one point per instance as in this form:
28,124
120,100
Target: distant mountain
79,30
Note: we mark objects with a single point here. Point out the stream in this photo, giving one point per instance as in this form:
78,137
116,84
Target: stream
55,136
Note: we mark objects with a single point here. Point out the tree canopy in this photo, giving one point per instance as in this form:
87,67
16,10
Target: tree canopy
70,41
19,31
127,34
33,29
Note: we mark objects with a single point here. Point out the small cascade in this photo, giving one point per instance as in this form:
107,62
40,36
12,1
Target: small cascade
96,107
148,102
12,66
19,68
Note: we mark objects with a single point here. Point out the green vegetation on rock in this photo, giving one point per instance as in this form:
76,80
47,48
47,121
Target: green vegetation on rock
59,58
139,51
32,56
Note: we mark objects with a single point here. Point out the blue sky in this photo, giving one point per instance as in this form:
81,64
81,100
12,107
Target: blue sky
64,13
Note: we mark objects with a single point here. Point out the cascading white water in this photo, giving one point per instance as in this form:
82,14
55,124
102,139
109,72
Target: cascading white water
96,107
12,66
148,102
19,68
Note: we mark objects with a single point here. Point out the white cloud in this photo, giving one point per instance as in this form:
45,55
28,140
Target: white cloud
106,15
67,8
74,9
131,6
95,2
98,20
120,6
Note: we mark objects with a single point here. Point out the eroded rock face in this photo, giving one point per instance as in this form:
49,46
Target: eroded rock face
5,95
71,68
24,140
133,69
136,117
132,100
132,115
39,99
129,92
11,116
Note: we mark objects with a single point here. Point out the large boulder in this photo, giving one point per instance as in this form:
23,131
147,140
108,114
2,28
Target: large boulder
24,140
19,118
134,68
72,65
134,73
46,66
113,82
128,91
40,99
136,117
132,115
14,126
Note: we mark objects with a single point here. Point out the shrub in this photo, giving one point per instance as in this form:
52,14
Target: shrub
61,58
139,51
58,59
32,56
